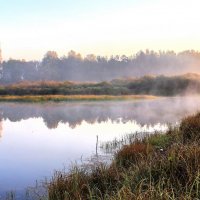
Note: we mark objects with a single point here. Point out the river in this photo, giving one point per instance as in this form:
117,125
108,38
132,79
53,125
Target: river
38,138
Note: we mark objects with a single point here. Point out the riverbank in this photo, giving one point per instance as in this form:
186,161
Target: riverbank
148,85
58,98
159,166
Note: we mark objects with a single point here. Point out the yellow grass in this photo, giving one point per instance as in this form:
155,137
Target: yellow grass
38,98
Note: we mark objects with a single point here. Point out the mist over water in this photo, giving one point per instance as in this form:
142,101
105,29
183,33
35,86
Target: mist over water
38,138
160,110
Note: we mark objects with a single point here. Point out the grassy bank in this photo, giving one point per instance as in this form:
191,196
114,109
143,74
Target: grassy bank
148,85
57,98
159,166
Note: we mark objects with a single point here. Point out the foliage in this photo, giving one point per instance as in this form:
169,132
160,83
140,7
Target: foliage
148,85
74,67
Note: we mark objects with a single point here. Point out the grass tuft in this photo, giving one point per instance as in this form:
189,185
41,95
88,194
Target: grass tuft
190,128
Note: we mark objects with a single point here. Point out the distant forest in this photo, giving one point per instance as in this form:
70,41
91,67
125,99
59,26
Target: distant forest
91,68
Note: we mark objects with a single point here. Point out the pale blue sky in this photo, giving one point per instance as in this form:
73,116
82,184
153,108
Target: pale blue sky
30,28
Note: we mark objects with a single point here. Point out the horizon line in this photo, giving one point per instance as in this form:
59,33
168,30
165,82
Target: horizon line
83,56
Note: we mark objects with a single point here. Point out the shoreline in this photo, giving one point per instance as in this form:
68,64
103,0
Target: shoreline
163,165
60,98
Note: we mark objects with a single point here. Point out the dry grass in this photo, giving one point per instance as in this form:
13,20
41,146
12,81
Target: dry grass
41,98
155,167
190,128
133,153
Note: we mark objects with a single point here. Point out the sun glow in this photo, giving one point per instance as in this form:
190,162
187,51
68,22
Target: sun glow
123,30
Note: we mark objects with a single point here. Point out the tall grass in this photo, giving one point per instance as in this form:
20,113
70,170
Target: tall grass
149,85
159,166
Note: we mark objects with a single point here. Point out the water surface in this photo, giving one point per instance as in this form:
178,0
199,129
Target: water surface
37,138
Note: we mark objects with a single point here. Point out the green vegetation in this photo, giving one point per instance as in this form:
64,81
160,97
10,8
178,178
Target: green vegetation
148,85
159,166
159,140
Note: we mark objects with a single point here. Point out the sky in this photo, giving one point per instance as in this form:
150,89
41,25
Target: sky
28,29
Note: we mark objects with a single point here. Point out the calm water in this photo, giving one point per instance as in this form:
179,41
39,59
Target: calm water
36,139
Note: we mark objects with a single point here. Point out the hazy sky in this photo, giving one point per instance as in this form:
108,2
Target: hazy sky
30,28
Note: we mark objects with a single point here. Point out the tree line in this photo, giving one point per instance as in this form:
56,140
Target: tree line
74,67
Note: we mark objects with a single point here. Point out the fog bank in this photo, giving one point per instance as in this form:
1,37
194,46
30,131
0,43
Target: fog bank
73,67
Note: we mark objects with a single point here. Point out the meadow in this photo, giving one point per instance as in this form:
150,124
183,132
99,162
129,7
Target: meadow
115,89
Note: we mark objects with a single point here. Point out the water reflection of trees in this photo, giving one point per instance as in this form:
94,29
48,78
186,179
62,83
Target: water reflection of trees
144,112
